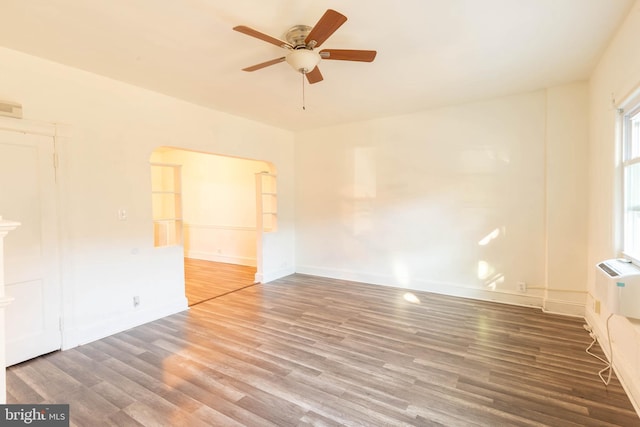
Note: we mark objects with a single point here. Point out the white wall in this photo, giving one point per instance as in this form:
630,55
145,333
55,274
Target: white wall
453,200
567,135
615,78
218,205
104,166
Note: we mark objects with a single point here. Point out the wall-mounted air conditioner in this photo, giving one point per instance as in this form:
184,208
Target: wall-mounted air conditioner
618,284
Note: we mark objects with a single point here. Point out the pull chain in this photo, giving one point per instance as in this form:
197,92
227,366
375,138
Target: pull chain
303,107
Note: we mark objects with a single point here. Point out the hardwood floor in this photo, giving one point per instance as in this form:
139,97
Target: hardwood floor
206,279
305,351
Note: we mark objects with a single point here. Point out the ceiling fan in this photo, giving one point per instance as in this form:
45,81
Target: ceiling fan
301,42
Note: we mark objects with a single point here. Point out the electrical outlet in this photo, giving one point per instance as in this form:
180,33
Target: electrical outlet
596,306
136,301
589,329
522,287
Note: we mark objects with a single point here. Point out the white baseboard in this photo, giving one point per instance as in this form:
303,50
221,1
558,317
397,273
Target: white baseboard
209,256
80,335
444,288
270,276
566,308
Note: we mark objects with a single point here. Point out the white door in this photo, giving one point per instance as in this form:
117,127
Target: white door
28,195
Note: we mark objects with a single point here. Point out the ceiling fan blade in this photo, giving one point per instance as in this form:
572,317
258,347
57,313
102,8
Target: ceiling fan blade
348,55
314,76
327,25
264,37
264,64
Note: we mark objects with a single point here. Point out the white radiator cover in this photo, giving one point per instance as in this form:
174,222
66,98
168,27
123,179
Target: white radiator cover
618,285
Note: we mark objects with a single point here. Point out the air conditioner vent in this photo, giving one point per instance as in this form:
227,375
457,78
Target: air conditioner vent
610,271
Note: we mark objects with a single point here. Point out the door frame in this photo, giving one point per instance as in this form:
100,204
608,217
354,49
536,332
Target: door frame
60,135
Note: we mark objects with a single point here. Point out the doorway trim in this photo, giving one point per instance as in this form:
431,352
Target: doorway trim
60,134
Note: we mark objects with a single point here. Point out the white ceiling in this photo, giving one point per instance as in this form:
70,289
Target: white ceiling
430,52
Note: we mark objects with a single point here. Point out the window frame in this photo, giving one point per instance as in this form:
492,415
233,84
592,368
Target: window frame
626,161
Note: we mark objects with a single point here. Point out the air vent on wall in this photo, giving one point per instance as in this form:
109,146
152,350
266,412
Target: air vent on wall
10,109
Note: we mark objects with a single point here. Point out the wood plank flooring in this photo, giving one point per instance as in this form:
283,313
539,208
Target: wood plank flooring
305,351
206,279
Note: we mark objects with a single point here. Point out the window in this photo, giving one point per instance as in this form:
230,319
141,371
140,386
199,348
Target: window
631,184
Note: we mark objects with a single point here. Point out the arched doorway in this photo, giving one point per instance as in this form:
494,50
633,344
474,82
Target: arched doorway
207,203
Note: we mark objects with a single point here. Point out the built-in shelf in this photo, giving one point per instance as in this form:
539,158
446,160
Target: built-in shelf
166,195
267,201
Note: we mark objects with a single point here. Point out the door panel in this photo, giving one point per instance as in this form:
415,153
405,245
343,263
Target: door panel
28,195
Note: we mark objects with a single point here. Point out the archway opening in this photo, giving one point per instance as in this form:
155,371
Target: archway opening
207,203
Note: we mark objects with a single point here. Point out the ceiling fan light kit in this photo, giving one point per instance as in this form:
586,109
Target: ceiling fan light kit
303,60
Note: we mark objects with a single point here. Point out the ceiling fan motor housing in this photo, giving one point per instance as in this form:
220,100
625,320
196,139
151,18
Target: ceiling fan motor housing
296,36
